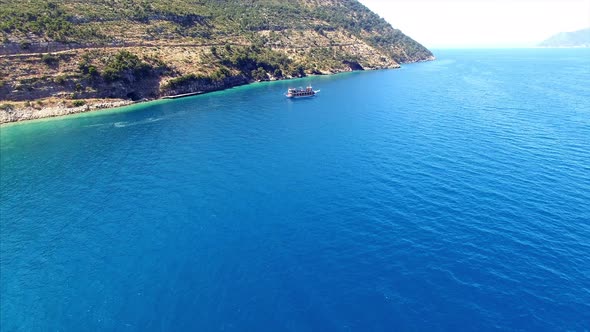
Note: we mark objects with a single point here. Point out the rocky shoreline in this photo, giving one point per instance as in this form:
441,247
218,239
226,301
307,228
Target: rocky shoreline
9,115
14,113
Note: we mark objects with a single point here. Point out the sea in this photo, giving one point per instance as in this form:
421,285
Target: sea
451,195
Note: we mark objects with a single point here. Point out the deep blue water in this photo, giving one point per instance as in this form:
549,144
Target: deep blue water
449,195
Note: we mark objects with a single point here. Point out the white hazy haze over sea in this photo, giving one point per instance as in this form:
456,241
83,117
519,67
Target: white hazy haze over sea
483,23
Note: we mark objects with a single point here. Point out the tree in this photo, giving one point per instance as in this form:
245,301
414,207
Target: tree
277,73
259,74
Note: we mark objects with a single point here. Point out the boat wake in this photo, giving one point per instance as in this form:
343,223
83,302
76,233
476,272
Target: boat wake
123,124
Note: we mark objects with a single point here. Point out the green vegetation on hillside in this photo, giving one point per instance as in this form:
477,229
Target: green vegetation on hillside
84,21
125,63
73,50
46,19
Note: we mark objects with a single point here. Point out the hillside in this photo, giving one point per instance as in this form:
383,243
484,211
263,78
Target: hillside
580,38
73,53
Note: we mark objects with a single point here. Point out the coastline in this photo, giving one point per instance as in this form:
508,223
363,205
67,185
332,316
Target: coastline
27,114
11,116
30,113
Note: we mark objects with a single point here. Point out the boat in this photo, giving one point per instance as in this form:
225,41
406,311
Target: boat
301,92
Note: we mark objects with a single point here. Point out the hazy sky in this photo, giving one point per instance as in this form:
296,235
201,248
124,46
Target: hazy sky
482,23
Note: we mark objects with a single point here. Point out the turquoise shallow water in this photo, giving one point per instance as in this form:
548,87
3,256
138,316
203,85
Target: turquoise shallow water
449,195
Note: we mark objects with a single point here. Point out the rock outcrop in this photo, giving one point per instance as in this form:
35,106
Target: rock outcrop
135,50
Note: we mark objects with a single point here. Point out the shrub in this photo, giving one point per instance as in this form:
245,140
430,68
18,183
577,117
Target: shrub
60,79
220,74
86,68
259,74
187,79
25,45
277,73
78,103
92,71
49,59
6,107
124,63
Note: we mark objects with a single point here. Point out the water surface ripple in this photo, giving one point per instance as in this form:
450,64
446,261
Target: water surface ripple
450,195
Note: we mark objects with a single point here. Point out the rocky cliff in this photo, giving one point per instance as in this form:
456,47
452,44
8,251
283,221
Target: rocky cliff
72,53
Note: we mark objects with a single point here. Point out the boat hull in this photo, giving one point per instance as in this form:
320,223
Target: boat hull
307,96
302,95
